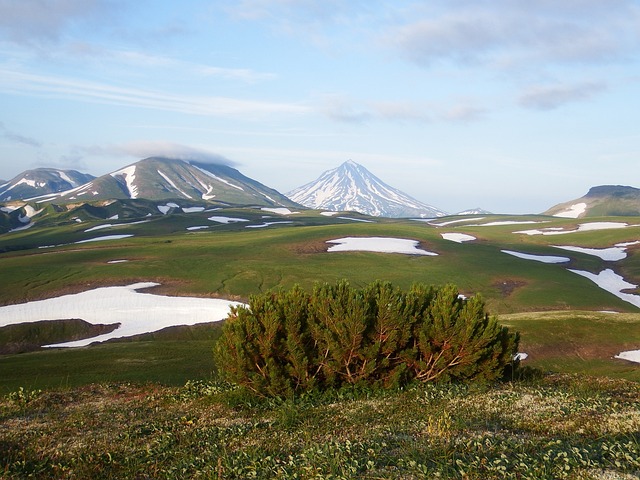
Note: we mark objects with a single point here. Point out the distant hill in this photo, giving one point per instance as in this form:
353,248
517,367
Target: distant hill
351,187
158,178
603,200
41,181
475,211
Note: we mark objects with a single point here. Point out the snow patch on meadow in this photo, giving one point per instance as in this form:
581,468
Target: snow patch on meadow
278,210
612,254
574,211
136,312
379,245
537,258
266,224
630,356
450,222
105,237
613,283
329,214
458,237
227,220
583,227
356,219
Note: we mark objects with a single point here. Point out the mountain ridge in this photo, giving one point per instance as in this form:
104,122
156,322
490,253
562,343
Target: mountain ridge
161,178
41,181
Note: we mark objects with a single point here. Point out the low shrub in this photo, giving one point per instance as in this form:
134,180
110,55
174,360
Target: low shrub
287,342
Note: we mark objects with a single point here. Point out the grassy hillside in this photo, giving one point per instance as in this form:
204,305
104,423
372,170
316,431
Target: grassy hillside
559,427
233,260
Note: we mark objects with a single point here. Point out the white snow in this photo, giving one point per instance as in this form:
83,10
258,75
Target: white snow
450,222
574,211
613,283
537,258
170,182
106,237
99,227
329,214
278,210
114,217
226,220
197,227
505,222
630,356
583,227
136,312
118,261
356,219
165,208
458,237
129,175
378,244
612,254
266,224
192,209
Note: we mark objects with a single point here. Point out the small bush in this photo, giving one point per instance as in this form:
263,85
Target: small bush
288,342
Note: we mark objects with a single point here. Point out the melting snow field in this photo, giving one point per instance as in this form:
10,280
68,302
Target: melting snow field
458,237
583,227
378,244
612,254
613,283
226,220
537,258
631,356
136,312
574,211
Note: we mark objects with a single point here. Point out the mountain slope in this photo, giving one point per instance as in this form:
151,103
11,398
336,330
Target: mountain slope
41,181
603,200
158,178
351,187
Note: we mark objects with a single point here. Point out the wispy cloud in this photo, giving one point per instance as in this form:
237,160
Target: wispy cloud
18,138
16,82
343,109
548,97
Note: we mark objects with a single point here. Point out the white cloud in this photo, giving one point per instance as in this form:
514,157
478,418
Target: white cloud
548,97
517,33
37,21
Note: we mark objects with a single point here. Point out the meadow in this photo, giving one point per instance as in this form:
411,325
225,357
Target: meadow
152,405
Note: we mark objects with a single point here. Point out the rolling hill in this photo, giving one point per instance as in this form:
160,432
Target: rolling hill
600,201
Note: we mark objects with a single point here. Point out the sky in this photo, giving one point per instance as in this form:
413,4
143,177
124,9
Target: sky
512,106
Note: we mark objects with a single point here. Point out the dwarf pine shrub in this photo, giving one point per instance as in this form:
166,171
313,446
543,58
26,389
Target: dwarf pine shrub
287,342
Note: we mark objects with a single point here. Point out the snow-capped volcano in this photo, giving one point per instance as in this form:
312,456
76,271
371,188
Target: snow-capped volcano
351,187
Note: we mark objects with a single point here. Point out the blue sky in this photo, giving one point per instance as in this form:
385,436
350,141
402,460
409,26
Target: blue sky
512,106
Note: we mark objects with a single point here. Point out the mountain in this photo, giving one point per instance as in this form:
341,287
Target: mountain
475,211
159,178
603,200
351,187
41,181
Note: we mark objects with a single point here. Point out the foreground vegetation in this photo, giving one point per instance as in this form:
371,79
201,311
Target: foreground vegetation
550,428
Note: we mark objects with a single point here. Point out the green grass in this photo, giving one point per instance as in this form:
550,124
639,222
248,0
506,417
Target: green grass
170,357
559,427
578,342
